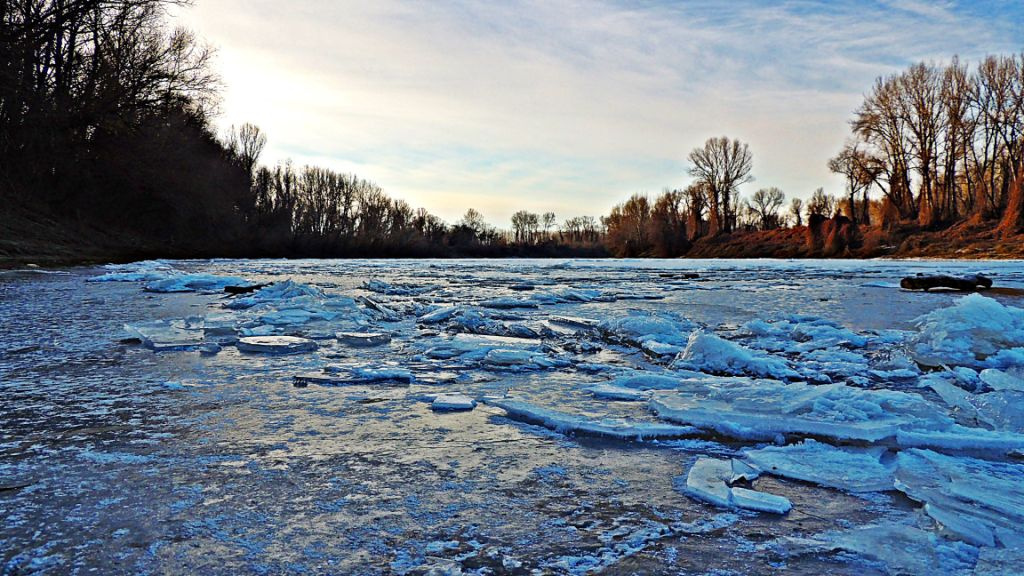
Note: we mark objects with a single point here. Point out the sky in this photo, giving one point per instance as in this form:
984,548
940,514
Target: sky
570,106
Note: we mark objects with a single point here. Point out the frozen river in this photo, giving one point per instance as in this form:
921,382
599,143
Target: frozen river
647,417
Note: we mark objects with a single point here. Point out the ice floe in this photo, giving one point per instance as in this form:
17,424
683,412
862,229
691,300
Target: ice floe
710,480
452,402
363,339
852,469
979,501
565,422
763,409
276,344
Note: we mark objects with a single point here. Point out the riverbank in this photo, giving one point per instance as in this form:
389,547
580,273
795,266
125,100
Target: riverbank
31,238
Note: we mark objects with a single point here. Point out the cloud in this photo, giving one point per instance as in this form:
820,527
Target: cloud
568,106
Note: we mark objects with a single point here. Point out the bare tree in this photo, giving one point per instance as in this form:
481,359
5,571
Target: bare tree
246,144
796,208
765,205
722,165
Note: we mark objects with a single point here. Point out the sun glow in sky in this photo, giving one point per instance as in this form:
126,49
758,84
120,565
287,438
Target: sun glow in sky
570,106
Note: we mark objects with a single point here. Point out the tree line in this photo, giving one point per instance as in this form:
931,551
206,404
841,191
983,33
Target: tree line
105,124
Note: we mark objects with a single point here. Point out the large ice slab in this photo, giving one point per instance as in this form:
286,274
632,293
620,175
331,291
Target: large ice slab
276,344
762,409
899,549
193,283
851,469
709,480
976,331
565,422
979,501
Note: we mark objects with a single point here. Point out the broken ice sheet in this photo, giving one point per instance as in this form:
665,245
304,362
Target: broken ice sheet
710,480
565,422
276,344
851,469
761,409
975,500
899,549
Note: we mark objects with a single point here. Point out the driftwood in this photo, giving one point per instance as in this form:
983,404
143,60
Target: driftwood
964,284
236,290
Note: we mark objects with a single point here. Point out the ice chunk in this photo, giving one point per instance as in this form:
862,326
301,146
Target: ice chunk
801,334
999,562
709,480
383,374
762,409
146,271
363,338
390,290
714,355
439,315
1010,379
276,344
275,293
978,501
573,321
512,359
902,549
969,333
193,283
851,469
565,422
162,335
961,439
452,402
383,312
637,329
507,303
610,391
291,315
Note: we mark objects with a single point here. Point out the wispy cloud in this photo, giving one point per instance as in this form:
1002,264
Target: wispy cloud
569,106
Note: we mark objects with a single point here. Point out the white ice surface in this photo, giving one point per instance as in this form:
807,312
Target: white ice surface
846,468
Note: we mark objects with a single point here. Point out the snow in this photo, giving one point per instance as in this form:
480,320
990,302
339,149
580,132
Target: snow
977,332
276,344
709,480
716,355
850,469
565,422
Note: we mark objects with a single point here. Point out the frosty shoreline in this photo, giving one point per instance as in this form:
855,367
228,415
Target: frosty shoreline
753,397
